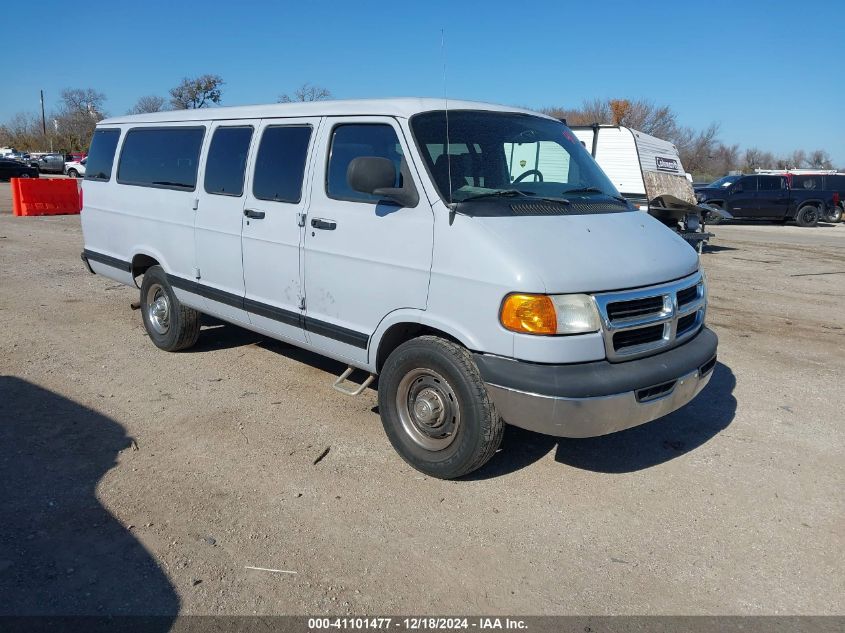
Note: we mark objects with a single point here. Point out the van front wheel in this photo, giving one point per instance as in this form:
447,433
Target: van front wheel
169,324
435,408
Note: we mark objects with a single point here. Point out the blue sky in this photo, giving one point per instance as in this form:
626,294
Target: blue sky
765,71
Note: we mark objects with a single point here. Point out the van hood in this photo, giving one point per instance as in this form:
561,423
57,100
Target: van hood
594,253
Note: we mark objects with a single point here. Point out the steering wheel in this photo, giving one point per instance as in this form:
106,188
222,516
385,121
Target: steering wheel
528,173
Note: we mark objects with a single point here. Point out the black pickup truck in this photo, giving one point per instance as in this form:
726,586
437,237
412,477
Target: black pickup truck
767,198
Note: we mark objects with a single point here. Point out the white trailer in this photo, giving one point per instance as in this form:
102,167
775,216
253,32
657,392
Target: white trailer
648,172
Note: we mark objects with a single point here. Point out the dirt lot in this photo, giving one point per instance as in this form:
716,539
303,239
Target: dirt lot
136,481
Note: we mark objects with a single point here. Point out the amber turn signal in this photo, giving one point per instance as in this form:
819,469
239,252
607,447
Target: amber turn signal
534,314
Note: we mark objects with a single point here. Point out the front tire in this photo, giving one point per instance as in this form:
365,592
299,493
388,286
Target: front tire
836,215
807,216
435,408
170,325
73,173
713,218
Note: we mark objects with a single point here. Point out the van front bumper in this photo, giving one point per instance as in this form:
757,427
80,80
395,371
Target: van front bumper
597,398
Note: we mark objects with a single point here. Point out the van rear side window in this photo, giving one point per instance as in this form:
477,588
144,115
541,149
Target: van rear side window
161,157
226,162
101,156
280,165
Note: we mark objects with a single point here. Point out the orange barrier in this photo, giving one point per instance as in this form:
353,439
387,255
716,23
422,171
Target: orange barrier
45,196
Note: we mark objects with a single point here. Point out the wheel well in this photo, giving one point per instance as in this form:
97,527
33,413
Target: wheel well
402,332
140,264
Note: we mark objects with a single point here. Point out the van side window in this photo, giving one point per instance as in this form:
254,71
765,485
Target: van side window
280,165
166,158
101,156
351,141
226,162
771,183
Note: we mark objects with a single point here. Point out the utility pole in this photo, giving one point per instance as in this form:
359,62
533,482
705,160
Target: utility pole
43,120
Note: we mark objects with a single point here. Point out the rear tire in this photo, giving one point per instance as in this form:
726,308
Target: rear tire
170,325
836,215
807,216
435,408
73,173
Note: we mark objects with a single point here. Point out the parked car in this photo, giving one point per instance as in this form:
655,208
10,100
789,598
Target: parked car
75,169
768,197
71,157
16,169
480,291
49,163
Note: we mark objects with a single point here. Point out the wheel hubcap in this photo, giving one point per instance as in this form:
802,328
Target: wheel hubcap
158,309
428,409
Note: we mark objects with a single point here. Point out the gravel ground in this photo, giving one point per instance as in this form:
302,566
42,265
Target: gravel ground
137,481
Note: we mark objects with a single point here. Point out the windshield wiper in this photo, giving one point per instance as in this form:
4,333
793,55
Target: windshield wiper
583,190
594,190
502,193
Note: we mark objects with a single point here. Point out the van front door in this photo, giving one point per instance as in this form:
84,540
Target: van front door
364,257
273,216
219,219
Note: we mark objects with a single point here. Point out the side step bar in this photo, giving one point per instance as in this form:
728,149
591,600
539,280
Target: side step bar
352,389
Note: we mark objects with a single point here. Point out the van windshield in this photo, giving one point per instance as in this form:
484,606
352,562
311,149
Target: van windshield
505,154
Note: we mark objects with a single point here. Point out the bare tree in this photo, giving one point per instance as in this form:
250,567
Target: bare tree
307,92
819,159
79,111
148,103
23,132
199,92
595,111
698,150
797,159
82,101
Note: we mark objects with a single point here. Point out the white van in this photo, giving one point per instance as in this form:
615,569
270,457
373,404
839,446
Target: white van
478,289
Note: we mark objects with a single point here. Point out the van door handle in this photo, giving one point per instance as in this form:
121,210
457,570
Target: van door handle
326,225
253,214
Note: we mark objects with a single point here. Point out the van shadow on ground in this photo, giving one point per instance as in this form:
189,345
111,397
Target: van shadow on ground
61,551
626,451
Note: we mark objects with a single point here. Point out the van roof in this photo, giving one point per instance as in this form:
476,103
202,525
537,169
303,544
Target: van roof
401,107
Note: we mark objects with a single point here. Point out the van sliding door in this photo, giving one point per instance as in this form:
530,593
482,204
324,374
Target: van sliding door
219,218
276,202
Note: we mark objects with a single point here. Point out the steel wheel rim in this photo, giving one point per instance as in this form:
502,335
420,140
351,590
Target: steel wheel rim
428,409
811,215
158,309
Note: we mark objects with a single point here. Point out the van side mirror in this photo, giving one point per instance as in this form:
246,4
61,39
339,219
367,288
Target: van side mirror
376,175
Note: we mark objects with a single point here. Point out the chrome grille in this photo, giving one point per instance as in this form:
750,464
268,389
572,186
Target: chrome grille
640,322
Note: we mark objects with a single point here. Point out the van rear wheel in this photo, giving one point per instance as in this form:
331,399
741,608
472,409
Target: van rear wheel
808,215
170,325
435,408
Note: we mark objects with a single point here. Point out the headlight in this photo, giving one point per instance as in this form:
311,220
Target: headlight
549,314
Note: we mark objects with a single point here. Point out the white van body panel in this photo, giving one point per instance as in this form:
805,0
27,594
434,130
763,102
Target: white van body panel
641,254
272,246
218,225
376,260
